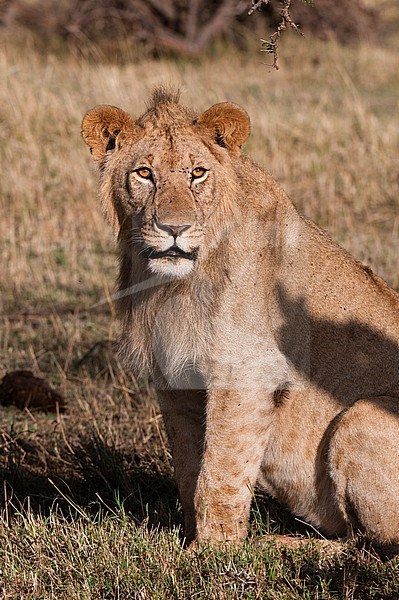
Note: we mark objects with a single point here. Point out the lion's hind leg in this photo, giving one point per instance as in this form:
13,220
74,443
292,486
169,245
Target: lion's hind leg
364,467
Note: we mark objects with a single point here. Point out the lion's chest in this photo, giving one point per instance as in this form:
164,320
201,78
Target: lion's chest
244,351
250,361
192,344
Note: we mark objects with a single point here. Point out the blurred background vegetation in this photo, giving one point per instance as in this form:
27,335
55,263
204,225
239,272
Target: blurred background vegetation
189,28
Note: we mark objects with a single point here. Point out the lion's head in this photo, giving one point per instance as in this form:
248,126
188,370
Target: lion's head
168,177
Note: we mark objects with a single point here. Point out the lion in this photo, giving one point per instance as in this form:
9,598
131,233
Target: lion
274,353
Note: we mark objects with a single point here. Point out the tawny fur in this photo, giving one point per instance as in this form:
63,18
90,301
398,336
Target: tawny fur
274,352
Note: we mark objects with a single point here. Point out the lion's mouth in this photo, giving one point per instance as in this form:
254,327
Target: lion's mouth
172,252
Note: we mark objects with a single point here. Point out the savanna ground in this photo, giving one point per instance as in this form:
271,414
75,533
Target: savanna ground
89,507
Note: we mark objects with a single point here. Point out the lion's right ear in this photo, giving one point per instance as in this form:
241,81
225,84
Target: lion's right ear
105,128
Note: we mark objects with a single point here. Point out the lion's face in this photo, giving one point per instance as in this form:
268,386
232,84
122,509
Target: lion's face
166,175
171,185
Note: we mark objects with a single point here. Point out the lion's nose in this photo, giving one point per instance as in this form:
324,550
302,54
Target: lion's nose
174,230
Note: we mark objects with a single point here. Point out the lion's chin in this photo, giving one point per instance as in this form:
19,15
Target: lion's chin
177,268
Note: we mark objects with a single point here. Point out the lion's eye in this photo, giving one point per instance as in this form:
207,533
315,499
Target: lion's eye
144,173
199,172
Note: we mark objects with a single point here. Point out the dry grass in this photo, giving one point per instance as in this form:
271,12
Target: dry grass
84,491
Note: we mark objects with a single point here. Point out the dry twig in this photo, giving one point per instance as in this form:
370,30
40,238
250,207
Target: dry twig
271,45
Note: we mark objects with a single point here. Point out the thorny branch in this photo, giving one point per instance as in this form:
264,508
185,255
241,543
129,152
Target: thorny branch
271,45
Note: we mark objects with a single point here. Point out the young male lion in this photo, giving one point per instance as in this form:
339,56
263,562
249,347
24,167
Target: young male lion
275,354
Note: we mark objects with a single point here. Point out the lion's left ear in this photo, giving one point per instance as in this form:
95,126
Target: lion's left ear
228,124
104,128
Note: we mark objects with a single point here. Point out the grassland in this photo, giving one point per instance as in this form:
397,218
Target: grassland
89,508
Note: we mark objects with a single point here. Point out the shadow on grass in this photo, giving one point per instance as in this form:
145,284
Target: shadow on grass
92,479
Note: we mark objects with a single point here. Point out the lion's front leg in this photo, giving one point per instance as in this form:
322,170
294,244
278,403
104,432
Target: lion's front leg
183,412
236,433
